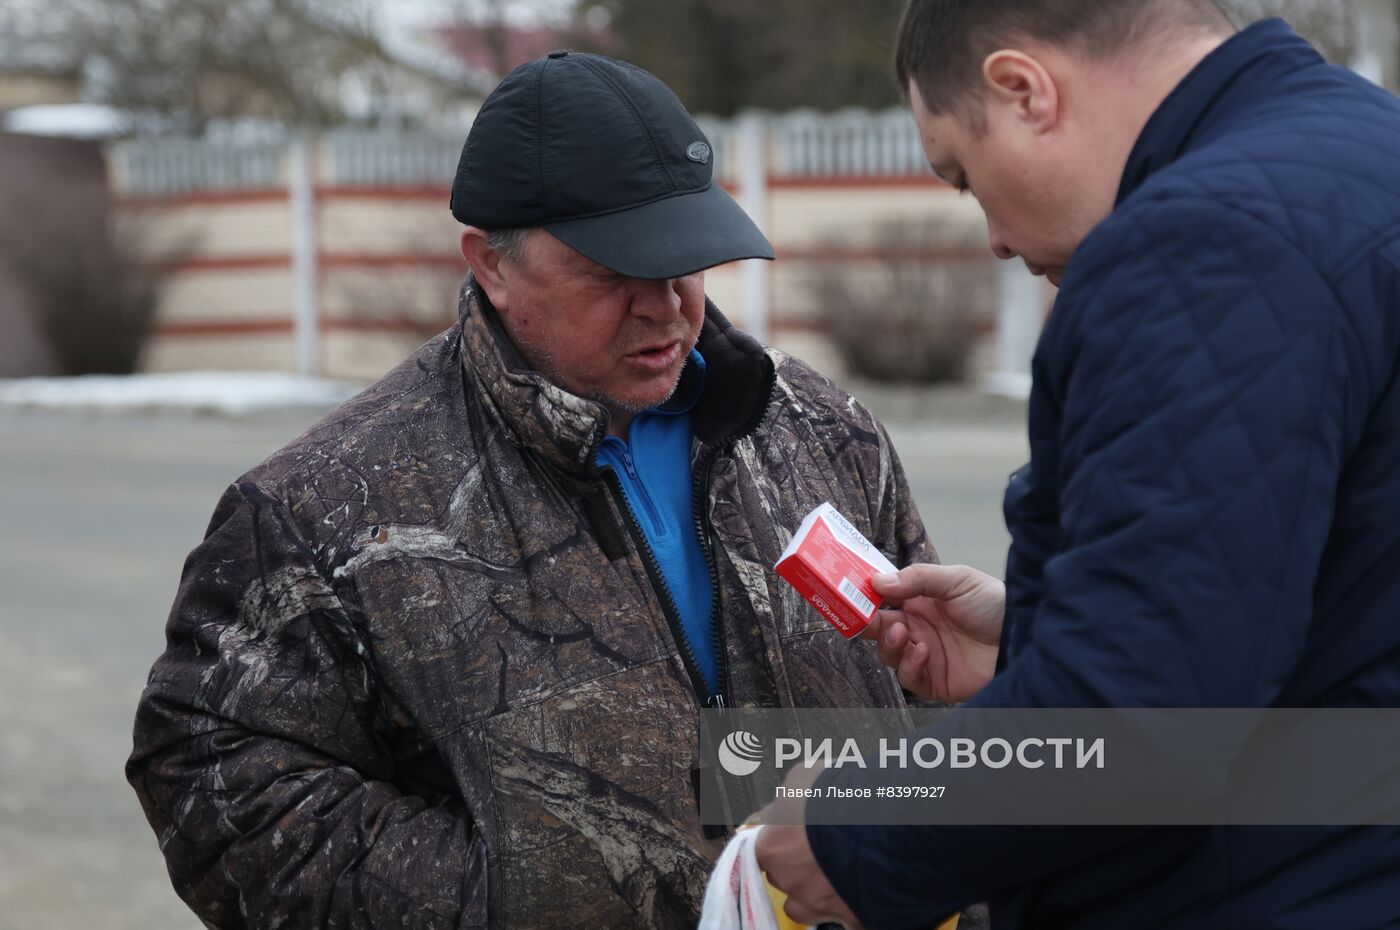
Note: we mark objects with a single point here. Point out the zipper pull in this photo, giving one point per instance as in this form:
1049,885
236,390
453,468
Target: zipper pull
716,702
627,464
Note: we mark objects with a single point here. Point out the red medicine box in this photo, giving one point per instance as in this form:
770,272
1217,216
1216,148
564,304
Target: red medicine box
830,563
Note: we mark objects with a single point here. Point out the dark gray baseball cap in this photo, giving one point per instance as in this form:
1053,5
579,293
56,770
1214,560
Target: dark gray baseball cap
605,157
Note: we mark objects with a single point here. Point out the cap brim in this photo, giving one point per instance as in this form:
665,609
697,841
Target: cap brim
668,238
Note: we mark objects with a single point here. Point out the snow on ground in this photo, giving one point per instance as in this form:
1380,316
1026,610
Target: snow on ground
233,393
71,120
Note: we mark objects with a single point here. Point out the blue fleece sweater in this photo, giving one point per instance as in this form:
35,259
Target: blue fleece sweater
653,465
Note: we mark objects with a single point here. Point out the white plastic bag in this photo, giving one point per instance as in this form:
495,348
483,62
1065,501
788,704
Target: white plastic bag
737,896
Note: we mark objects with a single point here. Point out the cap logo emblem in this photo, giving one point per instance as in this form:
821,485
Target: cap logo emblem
698,152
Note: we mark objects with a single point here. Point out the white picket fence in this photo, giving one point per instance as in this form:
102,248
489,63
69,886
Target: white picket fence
178,166
799,144
751,153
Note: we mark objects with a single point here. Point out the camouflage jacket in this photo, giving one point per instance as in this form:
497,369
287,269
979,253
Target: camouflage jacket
419,675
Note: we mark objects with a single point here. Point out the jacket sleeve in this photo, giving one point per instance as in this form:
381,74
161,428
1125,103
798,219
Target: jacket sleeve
1198,375
260,756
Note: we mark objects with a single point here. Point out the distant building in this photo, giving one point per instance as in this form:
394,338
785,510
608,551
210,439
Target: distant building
491,50
36,67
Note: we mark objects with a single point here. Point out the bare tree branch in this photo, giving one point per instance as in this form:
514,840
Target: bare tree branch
185,63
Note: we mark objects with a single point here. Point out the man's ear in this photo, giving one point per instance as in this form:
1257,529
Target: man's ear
486,264
1021,82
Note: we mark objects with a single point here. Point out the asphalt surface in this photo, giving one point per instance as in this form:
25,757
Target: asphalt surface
97,513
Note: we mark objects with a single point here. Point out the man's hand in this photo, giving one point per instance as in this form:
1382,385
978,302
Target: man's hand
784,854
942,631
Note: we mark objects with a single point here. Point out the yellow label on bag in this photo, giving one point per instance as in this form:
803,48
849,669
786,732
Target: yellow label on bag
779,898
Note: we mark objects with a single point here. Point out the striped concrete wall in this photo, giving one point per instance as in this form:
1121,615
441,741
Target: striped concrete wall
220,227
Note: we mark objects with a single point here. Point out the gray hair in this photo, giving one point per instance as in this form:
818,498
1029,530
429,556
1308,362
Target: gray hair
508,243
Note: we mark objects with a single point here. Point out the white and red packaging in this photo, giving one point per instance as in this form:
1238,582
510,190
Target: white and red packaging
830,563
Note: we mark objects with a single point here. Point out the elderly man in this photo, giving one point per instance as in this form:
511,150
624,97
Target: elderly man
439,662
1211,516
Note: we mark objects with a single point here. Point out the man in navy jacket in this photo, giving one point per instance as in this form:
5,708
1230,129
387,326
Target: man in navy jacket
1211,515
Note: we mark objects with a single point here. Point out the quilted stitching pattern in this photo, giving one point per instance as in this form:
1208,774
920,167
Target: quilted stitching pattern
1211,516
1216,466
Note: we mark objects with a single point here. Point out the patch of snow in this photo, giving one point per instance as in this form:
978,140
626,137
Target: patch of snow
69,120
232,393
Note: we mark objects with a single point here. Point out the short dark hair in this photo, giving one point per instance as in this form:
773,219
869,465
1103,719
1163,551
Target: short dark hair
942,43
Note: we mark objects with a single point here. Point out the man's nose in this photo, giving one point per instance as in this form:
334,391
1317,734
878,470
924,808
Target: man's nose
999,247
656,300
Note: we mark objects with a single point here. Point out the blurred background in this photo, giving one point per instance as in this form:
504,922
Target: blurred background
218,218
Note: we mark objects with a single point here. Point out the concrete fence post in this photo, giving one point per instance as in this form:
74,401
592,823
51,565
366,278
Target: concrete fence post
1021,303
752,177
301,184
1377,36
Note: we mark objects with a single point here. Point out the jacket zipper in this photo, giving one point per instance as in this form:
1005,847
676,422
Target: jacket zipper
719,699
699,498
653,516
699,501
668,601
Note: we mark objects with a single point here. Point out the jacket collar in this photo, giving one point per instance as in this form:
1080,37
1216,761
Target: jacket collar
566,429
1246,67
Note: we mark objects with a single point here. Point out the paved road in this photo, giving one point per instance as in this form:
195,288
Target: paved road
96,516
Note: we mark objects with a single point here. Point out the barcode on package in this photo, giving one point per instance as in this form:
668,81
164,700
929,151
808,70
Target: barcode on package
853,594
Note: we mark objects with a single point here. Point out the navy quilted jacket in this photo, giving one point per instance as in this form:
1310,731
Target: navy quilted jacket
1211,516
